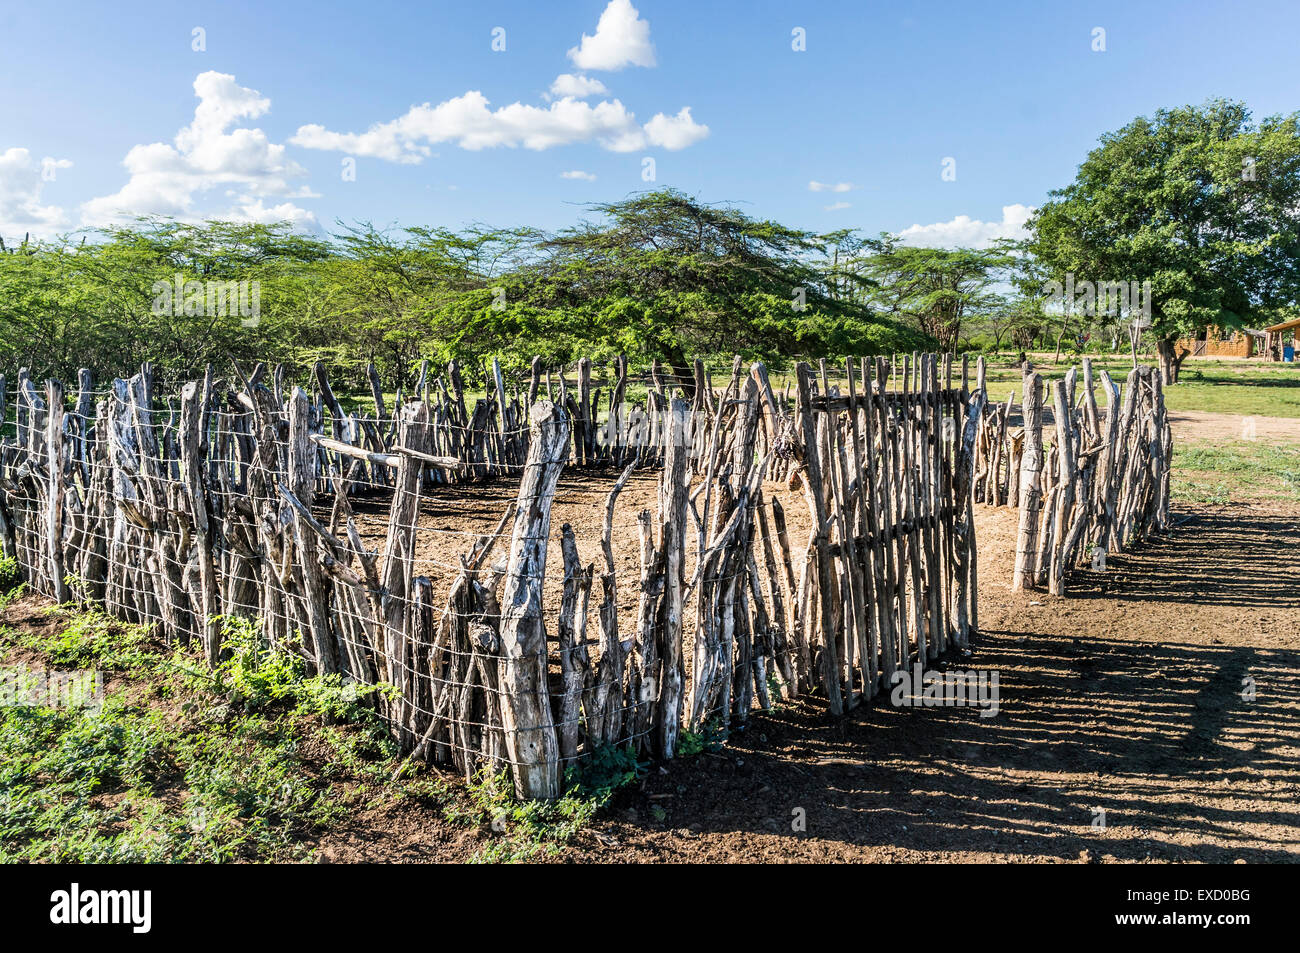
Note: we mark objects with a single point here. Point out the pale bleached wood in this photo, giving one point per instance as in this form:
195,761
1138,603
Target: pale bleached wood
1030,484
672,542
527,719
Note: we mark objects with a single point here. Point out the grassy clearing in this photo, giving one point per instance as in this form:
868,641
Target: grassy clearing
176,763
1206,472
1230,387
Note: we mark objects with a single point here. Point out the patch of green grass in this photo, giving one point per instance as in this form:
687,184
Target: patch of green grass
525,830
223,774
249,762
10,596
10,578
1260,388
711,737
128,784
1205,472
91,636
256,676
603,772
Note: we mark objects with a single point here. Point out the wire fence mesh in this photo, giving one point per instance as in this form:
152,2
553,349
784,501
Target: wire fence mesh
530,578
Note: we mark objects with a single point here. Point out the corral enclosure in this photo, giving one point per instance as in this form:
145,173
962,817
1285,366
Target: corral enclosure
558,569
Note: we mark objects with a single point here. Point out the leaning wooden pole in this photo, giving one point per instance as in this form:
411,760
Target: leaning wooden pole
1031,484
672,547
527,720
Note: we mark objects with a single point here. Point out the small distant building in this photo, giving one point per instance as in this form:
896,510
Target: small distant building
1281,340
1212,342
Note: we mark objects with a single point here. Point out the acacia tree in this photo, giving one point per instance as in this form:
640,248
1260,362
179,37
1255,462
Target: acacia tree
662,275
91,300
936,288
397,297
1200,201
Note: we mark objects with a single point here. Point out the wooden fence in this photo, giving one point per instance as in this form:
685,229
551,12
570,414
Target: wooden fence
1103,482
241,498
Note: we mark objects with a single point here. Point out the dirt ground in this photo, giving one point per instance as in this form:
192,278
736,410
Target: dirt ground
1202,425
1124,697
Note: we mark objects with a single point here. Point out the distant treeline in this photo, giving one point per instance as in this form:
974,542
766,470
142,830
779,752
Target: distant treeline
659,276
1197,205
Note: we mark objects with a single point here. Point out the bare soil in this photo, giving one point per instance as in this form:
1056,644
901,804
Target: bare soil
1203,425
1126,696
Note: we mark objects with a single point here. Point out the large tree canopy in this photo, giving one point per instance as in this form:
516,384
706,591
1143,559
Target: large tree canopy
1200,201
658,276
668,277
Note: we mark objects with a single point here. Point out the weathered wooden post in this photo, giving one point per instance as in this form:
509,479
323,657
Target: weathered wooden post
672,551
527,720
193,427
55,487
963,502
821,543
1069,478
575,661
8,545
302,483
1031,487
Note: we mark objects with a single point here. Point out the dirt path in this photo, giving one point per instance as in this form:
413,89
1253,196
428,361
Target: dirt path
1203,425
1200,425
1124,696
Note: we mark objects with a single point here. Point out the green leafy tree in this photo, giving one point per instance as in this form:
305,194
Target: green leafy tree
661,275
935,288
1201,202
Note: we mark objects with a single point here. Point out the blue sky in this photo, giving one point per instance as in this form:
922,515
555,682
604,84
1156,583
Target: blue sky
880,97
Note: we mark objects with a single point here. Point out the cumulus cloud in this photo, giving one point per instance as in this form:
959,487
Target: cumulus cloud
675,132
836,206
22,179
469,122
579,174
576,86
258,211
815,186
622,39
966,232
206,155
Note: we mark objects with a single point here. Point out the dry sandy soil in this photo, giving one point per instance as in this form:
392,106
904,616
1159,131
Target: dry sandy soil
1202,425
1126,696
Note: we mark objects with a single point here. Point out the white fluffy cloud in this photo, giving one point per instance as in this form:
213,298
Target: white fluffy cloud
815,186
22,179
622,39
675,132
837,206
576,86
469,122
208,155
579,174
966,232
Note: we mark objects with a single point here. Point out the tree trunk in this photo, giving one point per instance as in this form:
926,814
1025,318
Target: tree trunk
1065,326
1170,362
